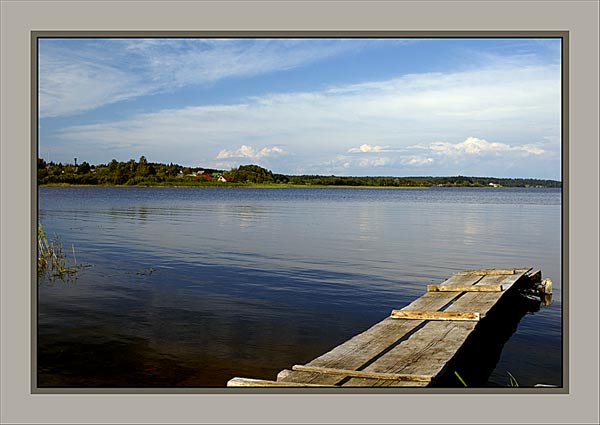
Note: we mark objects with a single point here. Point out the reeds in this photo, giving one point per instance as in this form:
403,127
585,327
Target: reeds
52,260
512,381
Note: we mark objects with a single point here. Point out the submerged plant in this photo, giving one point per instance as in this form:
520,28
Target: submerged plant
147,271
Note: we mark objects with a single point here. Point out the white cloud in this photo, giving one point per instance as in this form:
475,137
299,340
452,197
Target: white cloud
245,151
365,147
417,160
373,162
473,146
353,163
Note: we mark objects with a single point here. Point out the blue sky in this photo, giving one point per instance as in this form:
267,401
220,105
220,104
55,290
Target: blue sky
380,107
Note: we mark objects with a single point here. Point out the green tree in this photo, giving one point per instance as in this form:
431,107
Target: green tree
84,168
142,167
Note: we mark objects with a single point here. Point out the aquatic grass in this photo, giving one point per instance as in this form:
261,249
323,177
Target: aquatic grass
460,379
147,271
52,260
44,254
512,382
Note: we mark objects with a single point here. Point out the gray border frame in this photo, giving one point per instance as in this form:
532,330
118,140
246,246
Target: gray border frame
563,35
580,18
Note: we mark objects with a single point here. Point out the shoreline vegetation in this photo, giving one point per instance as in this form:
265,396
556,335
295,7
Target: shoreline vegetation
142,173
53,261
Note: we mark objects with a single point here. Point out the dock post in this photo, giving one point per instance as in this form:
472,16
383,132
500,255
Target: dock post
546,286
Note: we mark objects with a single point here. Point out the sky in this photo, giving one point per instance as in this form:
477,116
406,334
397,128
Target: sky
349,107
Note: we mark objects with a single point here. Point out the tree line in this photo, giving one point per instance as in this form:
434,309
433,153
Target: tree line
144,173
128,173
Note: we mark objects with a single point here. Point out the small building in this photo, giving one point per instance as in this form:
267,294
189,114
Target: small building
224,179
495,185
200,174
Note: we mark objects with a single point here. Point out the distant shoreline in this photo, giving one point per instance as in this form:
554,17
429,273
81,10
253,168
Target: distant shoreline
236,185
282,186
145,174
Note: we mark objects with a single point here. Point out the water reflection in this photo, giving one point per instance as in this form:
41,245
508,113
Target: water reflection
369,224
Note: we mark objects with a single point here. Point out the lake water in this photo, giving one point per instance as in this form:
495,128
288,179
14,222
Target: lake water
189,287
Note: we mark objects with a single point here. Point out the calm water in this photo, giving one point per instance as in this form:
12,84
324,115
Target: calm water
190,287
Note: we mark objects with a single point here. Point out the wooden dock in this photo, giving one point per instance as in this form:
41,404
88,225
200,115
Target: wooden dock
414,345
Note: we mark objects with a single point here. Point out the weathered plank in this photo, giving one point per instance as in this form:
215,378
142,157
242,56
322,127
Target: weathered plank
337,379
491,272
248,382
362,374
371,382
434,315
359,350
465,288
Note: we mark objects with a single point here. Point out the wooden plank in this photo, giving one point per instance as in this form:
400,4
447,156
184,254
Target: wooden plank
374,383
337,379
371,382
434,315
359,350
362,374
248,382
487,283
492,272
464,280
465,288
485,272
